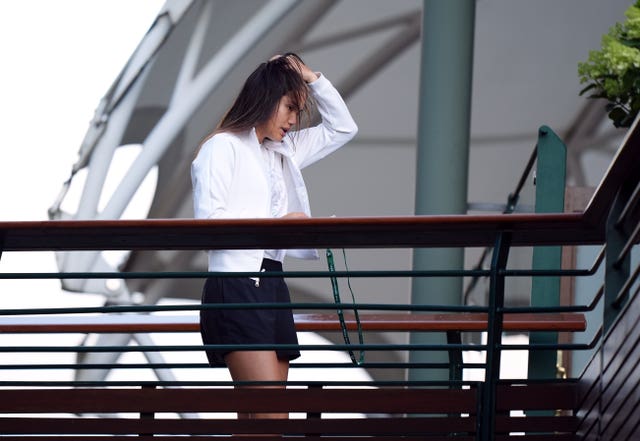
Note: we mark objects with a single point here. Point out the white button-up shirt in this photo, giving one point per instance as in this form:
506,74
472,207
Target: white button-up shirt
231,178
279,199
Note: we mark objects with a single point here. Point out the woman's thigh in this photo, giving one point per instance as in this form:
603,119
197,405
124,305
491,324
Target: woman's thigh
256,366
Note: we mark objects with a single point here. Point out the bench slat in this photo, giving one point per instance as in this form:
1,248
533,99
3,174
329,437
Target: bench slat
536,437
536,396
465,322
428,437
95,400
341,426
540,424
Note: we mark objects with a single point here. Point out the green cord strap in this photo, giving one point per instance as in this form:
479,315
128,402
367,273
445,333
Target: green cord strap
336,297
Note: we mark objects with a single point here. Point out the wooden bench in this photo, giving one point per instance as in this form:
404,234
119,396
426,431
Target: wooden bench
336,414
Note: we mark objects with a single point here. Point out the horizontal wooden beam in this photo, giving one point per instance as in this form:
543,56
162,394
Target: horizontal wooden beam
310,322
353,232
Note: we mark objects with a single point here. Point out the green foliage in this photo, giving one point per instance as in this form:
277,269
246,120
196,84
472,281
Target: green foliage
613,72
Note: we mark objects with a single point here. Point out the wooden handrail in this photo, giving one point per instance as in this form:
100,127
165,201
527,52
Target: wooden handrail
314,322
351,232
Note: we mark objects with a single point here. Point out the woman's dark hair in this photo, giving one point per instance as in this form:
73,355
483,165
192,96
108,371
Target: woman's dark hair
259,97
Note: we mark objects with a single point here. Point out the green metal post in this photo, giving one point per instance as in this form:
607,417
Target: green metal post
443,151
545,291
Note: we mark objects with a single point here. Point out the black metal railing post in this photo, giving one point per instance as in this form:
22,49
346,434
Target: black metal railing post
494,335
617,270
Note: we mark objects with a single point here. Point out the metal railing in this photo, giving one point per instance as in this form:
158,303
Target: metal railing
501,232
493,314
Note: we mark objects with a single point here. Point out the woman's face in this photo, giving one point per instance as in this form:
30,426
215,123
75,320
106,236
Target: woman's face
283,119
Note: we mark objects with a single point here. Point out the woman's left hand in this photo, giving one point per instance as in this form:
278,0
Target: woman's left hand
308,75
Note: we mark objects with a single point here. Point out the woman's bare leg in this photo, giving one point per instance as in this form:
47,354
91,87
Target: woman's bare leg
258,366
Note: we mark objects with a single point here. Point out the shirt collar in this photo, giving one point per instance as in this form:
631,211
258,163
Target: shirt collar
284,148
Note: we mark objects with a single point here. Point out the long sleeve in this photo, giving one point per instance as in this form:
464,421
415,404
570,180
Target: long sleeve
211,177
337,127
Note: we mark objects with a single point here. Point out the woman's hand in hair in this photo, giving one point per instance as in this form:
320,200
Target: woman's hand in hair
308,75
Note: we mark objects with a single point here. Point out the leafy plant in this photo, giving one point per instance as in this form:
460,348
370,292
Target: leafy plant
613,72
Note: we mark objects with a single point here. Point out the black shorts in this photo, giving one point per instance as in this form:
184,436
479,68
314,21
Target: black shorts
247,326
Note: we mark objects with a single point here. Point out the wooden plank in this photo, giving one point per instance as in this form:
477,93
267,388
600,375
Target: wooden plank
536,437
353,232
537,396
96,400
446,322
425,437
395,426
571,322
536,424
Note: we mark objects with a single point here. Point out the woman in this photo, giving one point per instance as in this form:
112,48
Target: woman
250,168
